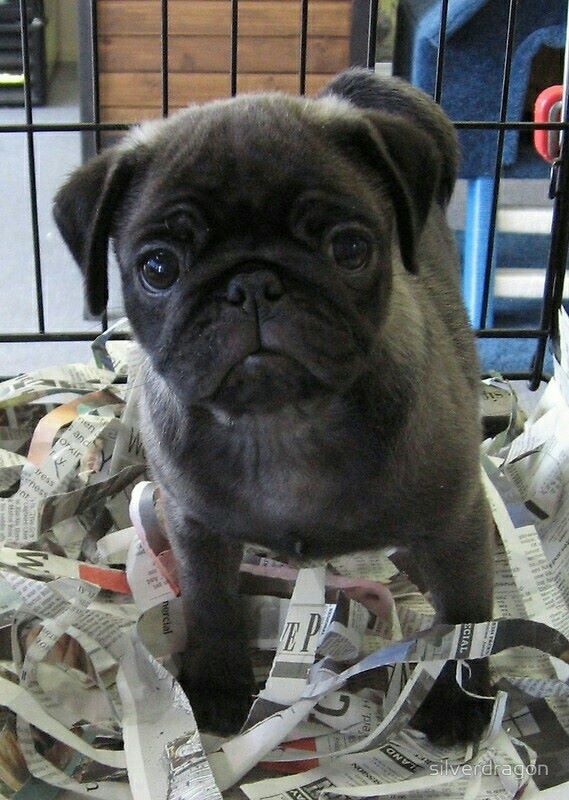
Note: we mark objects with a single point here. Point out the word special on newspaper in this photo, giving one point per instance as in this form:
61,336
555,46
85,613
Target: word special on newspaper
345,652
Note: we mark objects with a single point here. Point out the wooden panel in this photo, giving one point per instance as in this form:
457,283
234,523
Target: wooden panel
212,54
144,89
258,54
129,97
131,114
213,17
126,17
199,50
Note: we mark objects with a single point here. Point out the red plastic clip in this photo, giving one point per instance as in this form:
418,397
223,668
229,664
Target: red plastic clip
548,109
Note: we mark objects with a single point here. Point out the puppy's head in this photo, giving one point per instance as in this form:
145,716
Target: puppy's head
255,241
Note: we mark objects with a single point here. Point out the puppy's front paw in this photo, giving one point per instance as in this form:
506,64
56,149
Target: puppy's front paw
449,716
219,688
219,709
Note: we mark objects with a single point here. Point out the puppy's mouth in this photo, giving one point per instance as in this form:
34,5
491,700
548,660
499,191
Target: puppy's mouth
263,380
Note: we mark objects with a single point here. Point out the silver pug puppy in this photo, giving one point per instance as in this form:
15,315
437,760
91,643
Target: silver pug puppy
311,382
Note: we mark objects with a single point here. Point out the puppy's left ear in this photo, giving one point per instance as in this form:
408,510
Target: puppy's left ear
400,157
84,210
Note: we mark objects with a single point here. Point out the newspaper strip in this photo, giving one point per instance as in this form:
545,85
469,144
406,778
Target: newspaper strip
49,426
48,565
113,547
162,744
59,507
297,647
347,741
538,464
114,356
26,706
539,591
344,635
149,530
160,722
148,585
14,438
162,628
455,642
129,448
374,594
80,378
439,644
20,513
63,606
408,765
67,615
11,465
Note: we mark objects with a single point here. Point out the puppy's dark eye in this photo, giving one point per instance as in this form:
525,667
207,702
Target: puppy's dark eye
159,270
351,248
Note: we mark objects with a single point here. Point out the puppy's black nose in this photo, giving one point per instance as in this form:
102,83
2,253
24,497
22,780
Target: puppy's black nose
253,290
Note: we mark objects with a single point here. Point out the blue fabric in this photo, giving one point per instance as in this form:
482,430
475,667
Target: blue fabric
459,12
473,66
510,355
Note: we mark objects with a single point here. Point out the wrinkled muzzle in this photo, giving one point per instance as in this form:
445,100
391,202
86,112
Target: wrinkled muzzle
258,345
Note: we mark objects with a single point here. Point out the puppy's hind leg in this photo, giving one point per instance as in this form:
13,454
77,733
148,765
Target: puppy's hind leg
216,670
456,562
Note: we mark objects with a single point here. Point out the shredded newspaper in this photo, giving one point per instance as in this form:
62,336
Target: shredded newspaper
91,625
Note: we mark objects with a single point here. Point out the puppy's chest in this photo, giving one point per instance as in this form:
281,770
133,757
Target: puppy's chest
285,489
287,478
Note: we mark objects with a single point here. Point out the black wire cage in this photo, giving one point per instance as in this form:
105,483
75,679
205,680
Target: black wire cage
361,51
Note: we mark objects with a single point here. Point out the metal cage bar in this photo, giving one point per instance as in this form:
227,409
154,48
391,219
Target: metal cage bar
559,243
303,53
555,271
553,290
510,33
28,107
561,225
234,45
441,52
75,127
164,73
95,74
372,33
96,99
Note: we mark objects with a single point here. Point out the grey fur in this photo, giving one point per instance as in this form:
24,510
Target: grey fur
362,430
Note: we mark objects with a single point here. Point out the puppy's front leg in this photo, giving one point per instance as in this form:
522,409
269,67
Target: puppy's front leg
457,565
216,670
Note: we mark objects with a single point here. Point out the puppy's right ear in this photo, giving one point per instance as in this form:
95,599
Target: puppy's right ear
84,209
